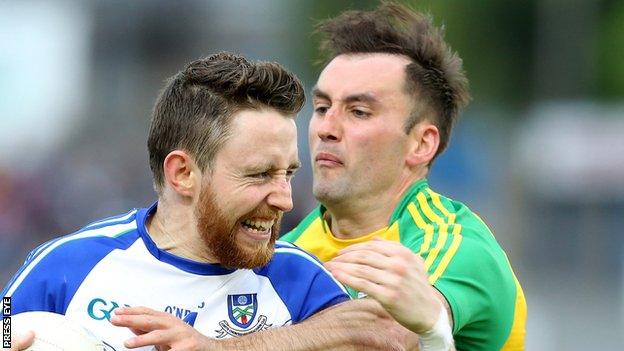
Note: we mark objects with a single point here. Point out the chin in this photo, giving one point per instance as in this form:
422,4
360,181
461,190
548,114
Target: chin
325,193
254,248
247,253
255,257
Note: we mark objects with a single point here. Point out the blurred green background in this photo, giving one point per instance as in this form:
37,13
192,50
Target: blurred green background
538,153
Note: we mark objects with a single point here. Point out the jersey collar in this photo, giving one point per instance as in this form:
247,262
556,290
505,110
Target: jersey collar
177,261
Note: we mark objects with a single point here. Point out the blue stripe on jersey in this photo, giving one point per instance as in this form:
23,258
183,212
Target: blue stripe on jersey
176,261
302,282
49,281
286,244
125,218
112,219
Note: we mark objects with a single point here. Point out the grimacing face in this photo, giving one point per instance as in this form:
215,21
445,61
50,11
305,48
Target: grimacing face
243,197
356,136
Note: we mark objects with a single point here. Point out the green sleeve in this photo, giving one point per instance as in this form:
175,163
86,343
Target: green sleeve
480,289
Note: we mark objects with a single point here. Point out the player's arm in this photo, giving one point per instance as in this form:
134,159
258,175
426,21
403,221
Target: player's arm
352,325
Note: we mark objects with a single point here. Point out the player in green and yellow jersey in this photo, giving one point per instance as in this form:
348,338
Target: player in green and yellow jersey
384,107
463,261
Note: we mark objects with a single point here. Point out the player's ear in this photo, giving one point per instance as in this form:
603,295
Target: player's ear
424,139
181,173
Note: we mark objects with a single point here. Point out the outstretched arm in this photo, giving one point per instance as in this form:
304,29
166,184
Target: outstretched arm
352,325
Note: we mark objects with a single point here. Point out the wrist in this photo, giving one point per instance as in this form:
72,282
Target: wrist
439,337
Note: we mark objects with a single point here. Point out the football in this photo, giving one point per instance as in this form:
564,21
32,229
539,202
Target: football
54,332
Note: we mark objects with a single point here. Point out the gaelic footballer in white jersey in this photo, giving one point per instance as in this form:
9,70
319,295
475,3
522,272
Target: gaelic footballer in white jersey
114,262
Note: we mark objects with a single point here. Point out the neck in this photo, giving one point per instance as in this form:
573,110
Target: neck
173,229
359,216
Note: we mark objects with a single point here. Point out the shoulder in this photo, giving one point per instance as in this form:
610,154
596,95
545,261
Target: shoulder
291,254
454,242
430,220
72,255
301,281
97,237
292,265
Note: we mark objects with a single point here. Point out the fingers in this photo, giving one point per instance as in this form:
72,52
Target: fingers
361,278
386,271
138,310
394,276
138,322
380,246
154,328
155,337
361,271
23,341
389,256
137,331
400,264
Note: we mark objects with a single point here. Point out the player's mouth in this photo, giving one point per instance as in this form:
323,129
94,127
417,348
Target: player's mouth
325,159
258,229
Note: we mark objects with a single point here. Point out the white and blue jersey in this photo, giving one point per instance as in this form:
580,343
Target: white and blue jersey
114,262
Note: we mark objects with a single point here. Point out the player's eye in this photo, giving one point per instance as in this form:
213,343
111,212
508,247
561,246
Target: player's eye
261,175
321,110
360,113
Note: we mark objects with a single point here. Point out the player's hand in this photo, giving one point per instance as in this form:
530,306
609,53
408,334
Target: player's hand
22,342
393,275
159,329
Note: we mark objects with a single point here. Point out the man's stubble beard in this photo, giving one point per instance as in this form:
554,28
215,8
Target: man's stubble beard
219,236
331,191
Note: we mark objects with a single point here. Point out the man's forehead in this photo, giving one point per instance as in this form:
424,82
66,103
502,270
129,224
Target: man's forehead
260,138
357,95
374,64
260,146
364,75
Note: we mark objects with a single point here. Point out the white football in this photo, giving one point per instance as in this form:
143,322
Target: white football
54,332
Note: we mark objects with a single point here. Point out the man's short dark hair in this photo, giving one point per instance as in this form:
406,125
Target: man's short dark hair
194,111
435,74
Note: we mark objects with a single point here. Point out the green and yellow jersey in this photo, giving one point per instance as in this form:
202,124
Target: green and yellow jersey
462,257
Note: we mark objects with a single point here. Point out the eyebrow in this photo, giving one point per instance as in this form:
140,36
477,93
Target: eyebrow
318,93
270,166
362,97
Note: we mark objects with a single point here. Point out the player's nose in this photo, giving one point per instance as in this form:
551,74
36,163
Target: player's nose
329,126
281,195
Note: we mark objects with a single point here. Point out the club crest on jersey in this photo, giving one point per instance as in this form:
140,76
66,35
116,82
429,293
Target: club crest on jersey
242,309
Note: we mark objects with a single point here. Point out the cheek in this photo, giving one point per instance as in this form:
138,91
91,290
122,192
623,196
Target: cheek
312,133
242,200
368,142
381,146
